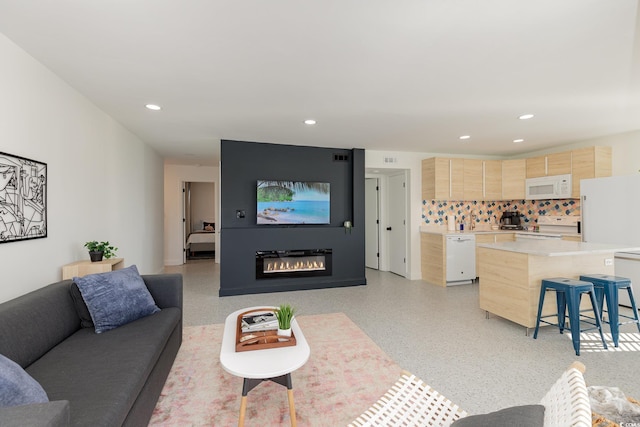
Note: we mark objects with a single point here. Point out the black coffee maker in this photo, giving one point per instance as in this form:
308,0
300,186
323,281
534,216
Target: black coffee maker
510,220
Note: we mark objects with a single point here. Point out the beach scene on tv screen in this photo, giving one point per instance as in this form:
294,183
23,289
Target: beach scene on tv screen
293,202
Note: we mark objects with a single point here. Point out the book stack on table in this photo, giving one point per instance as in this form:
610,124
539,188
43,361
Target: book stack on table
259,321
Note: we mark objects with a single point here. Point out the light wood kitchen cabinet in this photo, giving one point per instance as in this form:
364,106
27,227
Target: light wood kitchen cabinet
514,174
433,263
473,180
482,238
492,180
457,179
491,238
572,238
536,166
509,284
433,248
442,179
435,179
505,237
559,163
549,165
590,162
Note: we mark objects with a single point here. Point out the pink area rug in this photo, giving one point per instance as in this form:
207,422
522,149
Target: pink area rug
345,374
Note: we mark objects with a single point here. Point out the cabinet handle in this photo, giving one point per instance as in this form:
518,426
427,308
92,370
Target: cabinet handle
389,228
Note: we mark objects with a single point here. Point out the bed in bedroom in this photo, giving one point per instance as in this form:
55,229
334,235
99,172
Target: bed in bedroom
201,241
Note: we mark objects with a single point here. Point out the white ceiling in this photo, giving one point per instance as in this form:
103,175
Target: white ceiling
405,75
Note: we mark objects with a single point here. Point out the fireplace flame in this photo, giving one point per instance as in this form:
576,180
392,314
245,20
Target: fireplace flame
277,266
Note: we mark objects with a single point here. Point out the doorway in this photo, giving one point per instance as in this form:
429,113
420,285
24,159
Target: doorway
397,225
199,221
371,223
388,206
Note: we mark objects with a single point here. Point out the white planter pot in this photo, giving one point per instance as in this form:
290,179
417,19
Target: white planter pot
284,333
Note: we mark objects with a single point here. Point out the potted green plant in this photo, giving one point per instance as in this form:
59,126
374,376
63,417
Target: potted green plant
284,314
99,250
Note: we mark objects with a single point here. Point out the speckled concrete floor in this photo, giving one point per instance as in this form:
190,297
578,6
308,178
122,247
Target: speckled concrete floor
439,334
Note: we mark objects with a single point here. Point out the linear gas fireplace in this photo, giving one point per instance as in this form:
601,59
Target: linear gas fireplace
293,263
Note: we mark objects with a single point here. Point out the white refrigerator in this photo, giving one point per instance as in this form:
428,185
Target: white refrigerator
610,210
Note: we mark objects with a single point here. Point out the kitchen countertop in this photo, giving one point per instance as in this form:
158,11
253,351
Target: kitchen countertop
557,247
429,229
437,229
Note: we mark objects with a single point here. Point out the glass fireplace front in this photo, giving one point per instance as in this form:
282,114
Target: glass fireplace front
293,263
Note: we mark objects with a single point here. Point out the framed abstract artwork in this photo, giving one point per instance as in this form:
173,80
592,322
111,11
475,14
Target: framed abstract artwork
23,198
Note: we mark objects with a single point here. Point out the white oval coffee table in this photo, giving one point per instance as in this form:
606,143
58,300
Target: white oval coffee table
256,366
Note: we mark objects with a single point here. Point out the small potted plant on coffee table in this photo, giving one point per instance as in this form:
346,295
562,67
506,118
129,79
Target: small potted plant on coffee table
284,314
99,250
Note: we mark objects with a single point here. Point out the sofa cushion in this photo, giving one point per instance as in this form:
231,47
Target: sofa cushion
34,323
101,375
52,414
116,298
17,387
521,416
81,307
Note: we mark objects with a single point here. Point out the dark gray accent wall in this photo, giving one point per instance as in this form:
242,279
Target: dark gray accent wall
242,165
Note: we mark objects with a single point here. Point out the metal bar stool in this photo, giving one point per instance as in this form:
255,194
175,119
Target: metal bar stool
568,295
607,287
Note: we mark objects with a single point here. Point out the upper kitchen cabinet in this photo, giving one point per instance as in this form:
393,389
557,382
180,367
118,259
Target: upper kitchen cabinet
492,179
559,163
461,179
473,180
551,164
457,179
514,174
590,162
536,166
435,179
442,179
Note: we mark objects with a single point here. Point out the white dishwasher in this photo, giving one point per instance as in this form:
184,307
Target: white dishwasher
461,259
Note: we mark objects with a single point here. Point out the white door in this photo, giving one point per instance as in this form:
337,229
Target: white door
185,209
371,222
185,215
397,225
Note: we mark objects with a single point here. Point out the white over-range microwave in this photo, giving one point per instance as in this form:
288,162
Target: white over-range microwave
549,187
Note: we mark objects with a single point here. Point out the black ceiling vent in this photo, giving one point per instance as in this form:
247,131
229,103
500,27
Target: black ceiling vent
340,157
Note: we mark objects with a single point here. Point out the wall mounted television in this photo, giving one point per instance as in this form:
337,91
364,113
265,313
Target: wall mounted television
293,202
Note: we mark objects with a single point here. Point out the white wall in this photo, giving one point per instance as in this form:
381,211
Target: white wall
174,177
413,163
103,182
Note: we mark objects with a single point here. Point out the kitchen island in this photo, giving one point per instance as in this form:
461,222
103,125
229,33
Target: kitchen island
510,273
434,252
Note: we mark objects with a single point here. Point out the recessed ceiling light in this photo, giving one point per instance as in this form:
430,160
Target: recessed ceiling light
153,107
309,122
518,141
465,137
525,116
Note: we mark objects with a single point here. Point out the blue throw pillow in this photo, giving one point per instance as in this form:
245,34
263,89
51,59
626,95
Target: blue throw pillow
17,387
116,298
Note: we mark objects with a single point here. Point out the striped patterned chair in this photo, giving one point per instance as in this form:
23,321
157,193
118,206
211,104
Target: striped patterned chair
411,402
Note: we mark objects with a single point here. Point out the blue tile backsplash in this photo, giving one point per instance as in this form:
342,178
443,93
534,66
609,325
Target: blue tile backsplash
434,212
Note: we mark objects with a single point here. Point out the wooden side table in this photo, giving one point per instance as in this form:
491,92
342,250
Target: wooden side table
82,268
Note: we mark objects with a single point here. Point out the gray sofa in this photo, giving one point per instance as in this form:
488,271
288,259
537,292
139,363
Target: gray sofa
108,379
